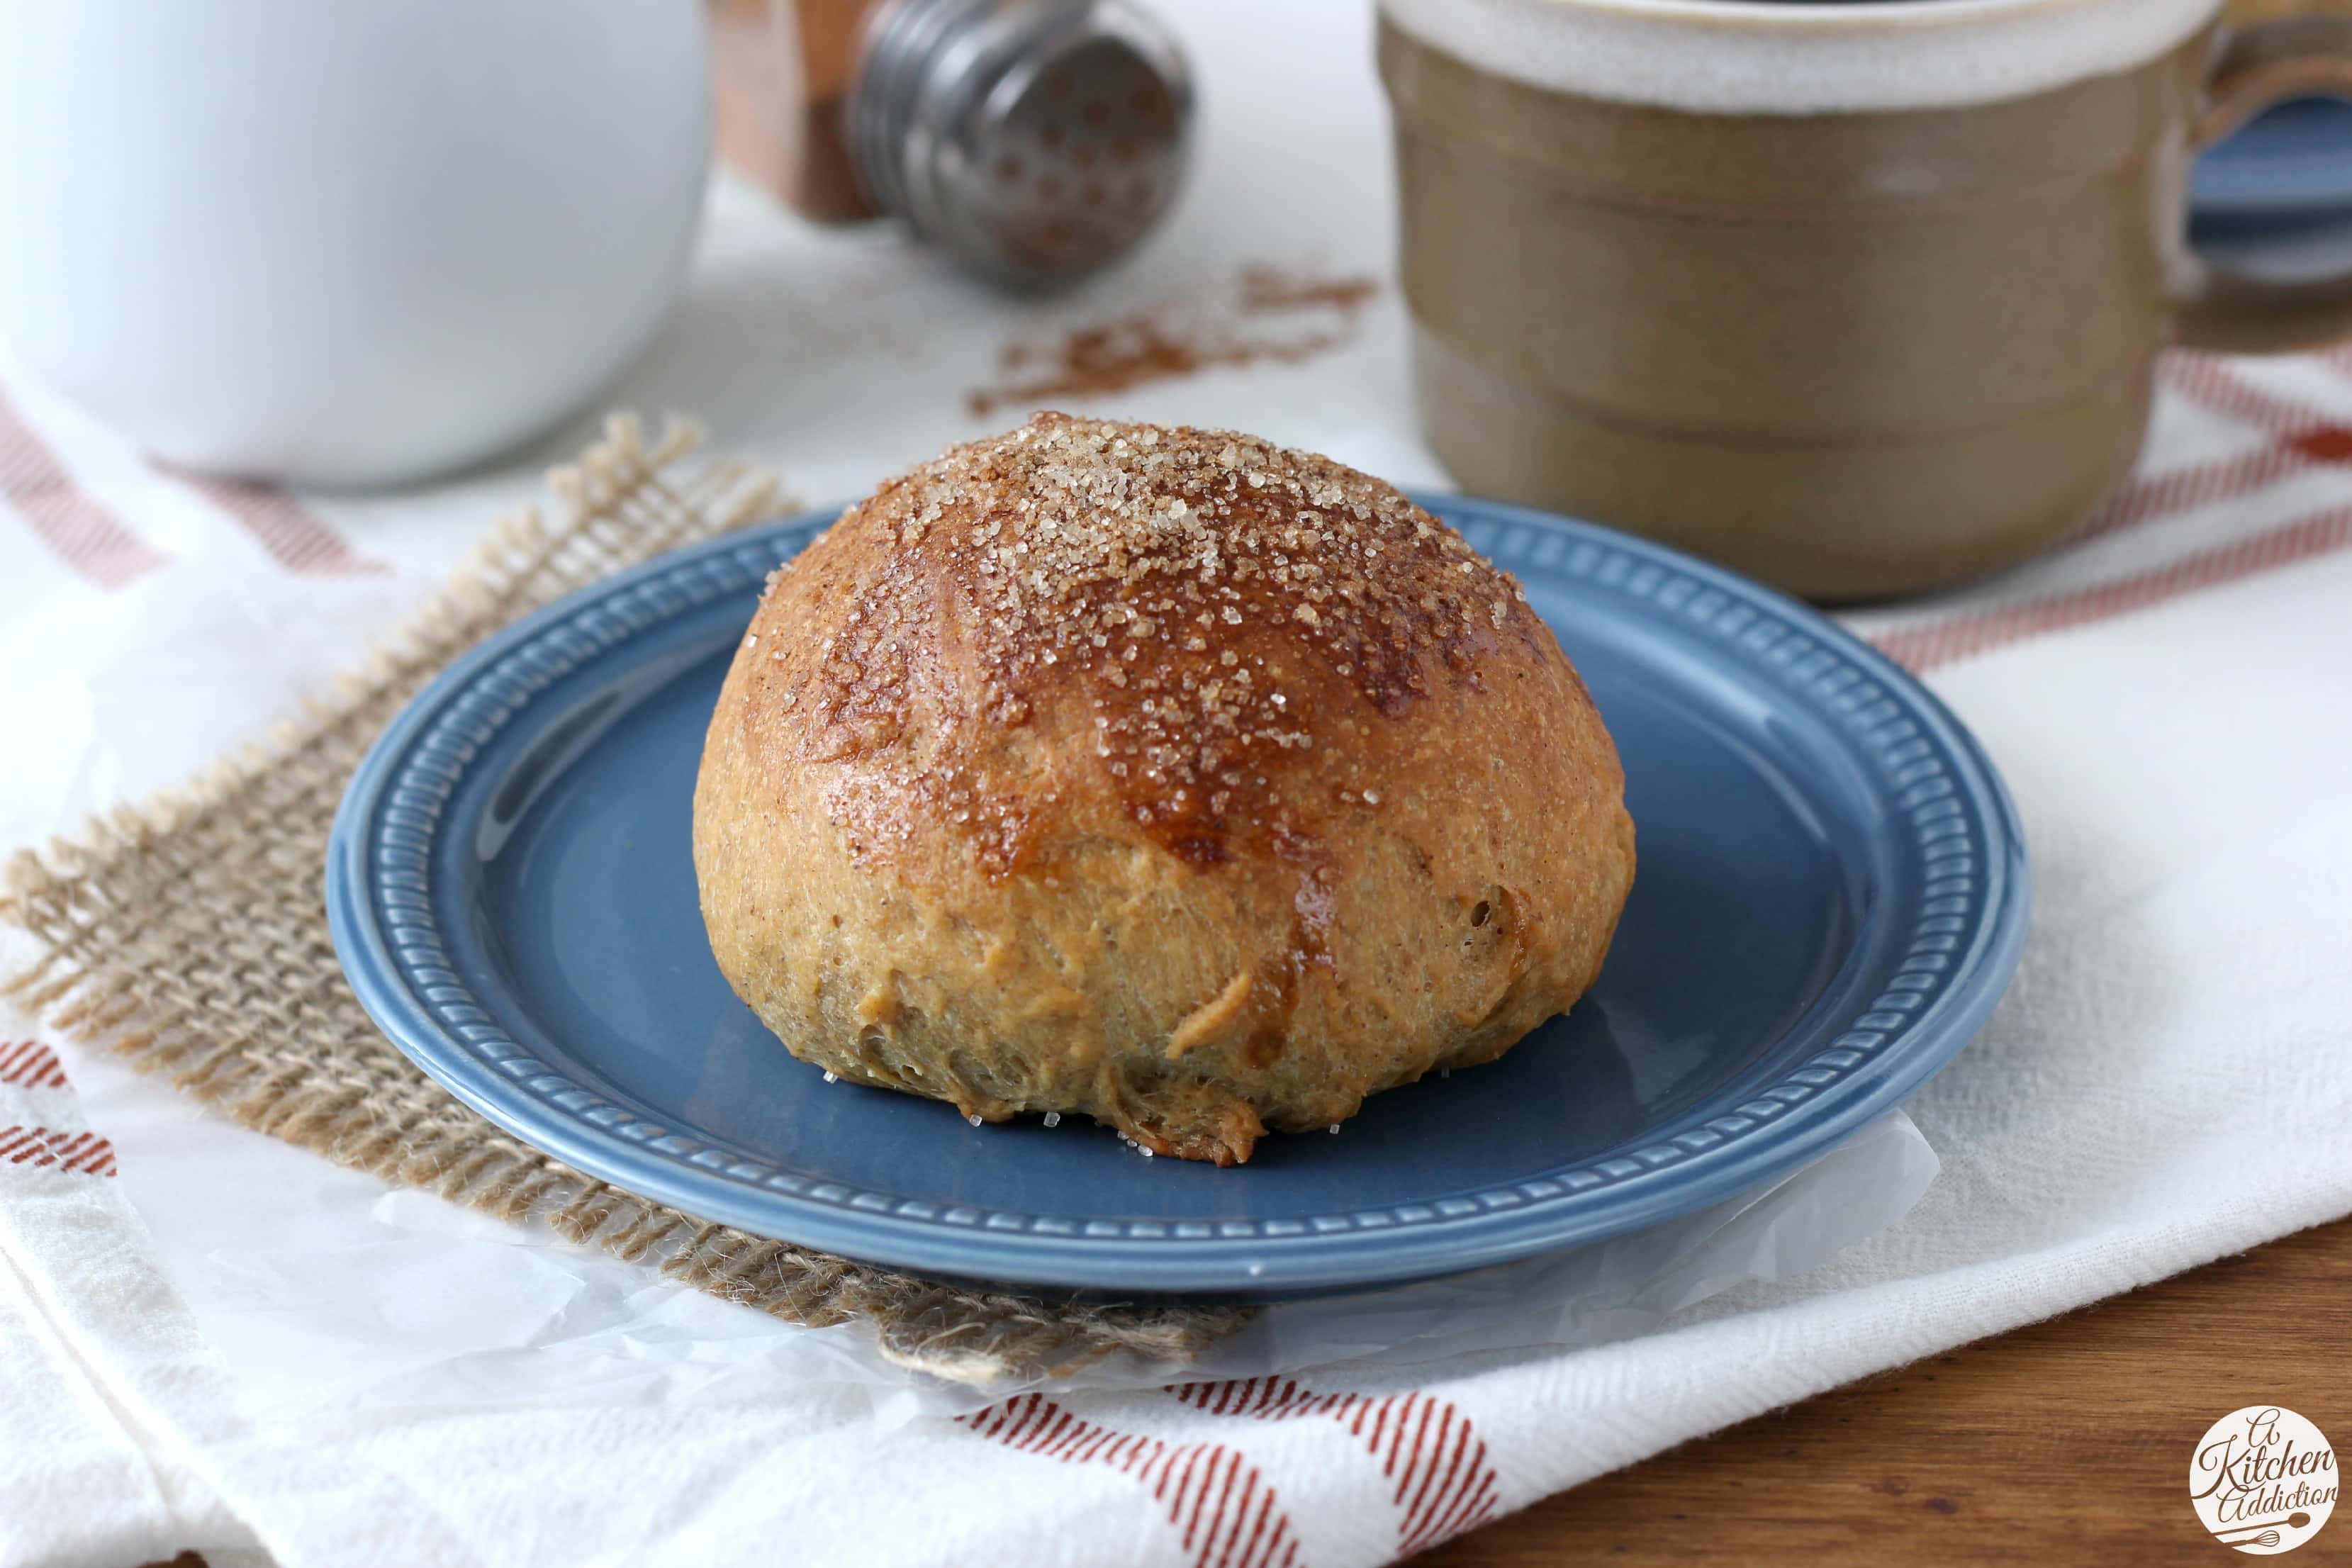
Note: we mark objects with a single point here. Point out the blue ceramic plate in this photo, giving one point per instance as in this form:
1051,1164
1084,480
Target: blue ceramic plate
2295,161
1831,896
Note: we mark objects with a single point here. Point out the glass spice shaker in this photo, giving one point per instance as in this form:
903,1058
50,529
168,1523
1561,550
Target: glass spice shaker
1034,141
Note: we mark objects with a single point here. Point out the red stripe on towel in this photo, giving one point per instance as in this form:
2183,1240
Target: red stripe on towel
30,1064
1956,637
1445,1483
38,1147
1224,1509
292,534
81,533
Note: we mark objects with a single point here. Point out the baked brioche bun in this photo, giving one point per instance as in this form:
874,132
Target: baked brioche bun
1161,774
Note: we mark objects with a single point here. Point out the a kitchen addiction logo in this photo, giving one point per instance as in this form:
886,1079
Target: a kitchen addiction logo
2262,1479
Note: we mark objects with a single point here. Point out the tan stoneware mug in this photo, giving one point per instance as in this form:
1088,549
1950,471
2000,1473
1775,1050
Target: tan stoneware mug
1859,297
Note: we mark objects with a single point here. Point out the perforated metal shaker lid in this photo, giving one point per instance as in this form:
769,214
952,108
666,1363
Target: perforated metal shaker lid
1033,140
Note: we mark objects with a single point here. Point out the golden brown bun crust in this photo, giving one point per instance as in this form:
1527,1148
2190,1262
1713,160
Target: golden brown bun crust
1161,774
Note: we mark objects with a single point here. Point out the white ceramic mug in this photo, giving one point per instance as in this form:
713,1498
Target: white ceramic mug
343,243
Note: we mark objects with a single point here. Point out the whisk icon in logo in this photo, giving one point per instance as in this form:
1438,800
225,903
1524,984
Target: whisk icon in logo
2262,1479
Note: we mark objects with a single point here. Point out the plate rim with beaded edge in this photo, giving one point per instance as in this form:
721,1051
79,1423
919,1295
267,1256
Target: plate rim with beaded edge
1941,922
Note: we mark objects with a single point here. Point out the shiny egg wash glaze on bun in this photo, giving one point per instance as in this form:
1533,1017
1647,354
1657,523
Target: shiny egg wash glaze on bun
1196,785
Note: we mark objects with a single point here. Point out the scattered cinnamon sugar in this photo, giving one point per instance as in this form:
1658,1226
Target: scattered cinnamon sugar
1199,604
1269,315
1268,290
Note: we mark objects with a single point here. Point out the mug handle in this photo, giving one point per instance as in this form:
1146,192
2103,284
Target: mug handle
2258,68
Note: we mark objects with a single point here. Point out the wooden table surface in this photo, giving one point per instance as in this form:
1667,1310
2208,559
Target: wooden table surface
2064,1443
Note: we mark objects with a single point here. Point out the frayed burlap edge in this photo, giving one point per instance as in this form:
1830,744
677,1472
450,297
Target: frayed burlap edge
187,935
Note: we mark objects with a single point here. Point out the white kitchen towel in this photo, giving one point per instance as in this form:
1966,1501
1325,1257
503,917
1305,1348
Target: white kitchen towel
95,1348
2168,1081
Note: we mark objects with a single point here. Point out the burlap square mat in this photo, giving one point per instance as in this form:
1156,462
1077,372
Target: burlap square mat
188,936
